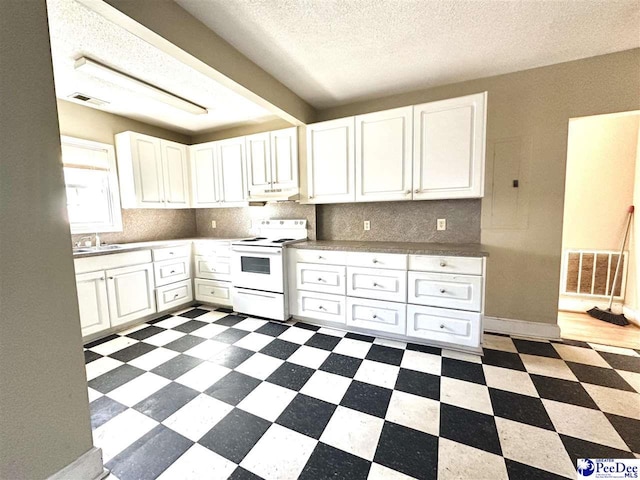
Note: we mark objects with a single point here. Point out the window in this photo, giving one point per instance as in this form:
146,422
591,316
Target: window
93,199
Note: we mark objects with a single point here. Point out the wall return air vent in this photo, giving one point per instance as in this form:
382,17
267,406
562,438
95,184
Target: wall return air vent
81,97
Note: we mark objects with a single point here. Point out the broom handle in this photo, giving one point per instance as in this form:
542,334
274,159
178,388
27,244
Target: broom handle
624,241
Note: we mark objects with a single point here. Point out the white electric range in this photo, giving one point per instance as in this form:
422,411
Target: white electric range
258,267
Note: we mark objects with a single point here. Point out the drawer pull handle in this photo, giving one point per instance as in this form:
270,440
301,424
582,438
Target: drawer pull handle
442,326
213,292
443,263
321,308
110,278
102,278
320,257
416,190
170,253
376,284
442,290
320,279
176,295
172,272
375,316
375,261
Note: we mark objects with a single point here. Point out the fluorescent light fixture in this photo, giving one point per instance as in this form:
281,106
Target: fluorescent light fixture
110,75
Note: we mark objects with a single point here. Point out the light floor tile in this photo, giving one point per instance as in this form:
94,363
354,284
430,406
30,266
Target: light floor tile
377,373
267,401
172,322
93,395
509,380
534,446
112,346
163,338
250,324
466,357
309,356
209,331
138,389
632,379
212,316
583,423
414,412
259,366
550,367
152,359
496,342
198,417
354,432
422,362
120,432
206,349
618,402
280,454
380,472
254,341
587,356
197,463
353,348
101,366
458,461
203,376
390,343
326,386
465,395
619,350
297,335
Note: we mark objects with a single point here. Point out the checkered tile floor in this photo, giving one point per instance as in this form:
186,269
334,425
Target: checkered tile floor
209,394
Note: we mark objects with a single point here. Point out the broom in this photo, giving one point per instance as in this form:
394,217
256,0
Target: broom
607,315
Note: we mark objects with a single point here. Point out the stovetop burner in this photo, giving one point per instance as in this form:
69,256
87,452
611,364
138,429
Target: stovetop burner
282,240
257,239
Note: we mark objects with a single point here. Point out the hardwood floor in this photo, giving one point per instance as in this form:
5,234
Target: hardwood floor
580,326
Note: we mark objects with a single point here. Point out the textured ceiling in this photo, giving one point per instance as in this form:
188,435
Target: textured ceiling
336,51
77,31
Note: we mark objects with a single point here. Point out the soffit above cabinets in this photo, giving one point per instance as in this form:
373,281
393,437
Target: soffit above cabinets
77,31
333,52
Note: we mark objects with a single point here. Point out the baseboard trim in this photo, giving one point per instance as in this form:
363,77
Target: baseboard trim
87,466
632,315
522,328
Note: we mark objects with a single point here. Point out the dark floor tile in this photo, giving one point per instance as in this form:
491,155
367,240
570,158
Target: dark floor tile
190,326
329,463
273,329
607,377
104,409
231,356
146,332
230,320
100,341
159,319
177,366
325,342
408,451
498,358
233,387
195,313
380,353
90,356
496,334
577,448
242,474
166,401
230,335
622,362
184,343
224,310
291,376
471,428
424,349
520,408
235,435
150,455
573,343
628,429
542,349
418,383
307,326
467,371
133,351
367,398
359,336
520,471
341,365
562,391
115,378
307,415
280,349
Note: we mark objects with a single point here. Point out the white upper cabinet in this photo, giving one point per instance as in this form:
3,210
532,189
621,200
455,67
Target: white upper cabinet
204,178
384,155
330,161
284,159
449,148
231,171
153,172
258,163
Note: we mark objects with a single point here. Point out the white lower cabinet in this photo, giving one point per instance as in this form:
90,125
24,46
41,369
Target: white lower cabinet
462,292
376,315
321,278
92,302
130,293
322,306
213,291
444,325
377,284
213,267
174,295
212,271
171,271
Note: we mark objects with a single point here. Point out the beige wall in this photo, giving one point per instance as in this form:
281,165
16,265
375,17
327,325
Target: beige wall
239,131
44,412
633,290
534,106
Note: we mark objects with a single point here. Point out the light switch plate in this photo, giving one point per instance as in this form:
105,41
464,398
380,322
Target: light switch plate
441,224
213,224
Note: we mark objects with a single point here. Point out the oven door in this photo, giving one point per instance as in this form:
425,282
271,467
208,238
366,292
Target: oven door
257,268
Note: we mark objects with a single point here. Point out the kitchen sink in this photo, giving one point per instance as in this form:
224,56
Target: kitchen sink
101,248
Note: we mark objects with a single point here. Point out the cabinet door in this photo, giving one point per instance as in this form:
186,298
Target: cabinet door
231,171
204,185
92,301
449,148
284,159
147,171
130,292
330,161
175,169
258,163
384,154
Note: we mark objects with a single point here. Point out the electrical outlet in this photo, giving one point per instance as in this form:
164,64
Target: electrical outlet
367,225
441,224
213,224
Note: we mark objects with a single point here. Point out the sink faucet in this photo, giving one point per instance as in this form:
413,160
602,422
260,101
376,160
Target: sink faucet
80,242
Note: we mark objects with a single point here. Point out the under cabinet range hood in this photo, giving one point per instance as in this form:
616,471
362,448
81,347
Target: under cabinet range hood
272,196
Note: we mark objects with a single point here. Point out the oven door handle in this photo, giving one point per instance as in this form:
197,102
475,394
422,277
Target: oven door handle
254,294
269,250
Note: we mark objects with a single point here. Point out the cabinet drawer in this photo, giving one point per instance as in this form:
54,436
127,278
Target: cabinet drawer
320,278
440,324
171,271
212,248
113,260
377,260
377,284
321,306
429,263
329,257
463,292
213,291
214,268
376,315
174,295
167,253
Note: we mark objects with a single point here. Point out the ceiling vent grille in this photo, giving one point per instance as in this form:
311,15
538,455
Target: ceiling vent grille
81,97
